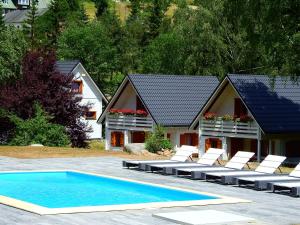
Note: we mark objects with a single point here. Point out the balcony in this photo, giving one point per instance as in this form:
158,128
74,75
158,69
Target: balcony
122,122
229,128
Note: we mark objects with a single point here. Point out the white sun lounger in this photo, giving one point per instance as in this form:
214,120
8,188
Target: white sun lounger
293,186
237,162
208,159
182,154
267,166
261,181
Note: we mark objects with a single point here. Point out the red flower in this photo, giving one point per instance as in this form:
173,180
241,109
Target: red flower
141,113
210,115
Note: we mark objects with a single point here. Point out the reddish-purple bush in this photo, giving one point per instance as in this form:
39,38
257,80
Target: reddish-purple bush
42,83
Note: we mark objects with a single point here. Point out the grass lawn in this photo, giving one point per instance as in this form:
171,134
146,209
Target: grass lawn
96,149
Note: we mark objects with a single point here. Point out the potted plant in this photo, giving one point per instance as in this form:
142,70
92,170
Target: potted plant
210,116
228,117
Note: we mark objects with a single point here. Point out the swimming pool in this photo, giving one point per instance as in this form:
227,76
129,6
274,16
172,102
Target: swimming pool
52,192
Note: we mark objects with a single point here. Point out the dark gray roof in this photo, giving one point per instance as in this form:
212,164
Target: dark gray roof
174,100
66,66
19,16
275,107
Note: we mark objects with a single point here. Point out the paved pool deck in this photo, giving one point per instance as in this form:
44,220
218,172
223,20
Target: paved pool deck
266,208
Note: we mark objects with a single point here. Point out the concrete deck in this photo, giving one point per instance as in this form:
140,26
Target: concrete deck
266,208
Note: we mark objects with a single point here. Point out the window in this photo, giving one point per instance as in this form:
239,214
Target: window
76,86
23,2
139,104
239,108
90,115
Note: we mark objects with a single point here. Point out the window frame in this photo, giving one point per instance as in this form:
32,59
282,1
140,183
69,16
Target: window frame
94,117
80,86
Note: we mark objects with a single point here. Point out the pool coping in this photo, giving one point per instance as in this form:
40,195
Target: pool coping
34,208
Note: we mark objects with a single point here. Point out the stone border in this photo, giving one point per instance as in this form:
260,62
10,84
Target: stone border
50,211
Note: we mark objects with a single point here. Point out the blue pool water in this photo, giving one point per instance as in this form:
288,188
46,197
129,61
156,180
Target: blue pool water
72,189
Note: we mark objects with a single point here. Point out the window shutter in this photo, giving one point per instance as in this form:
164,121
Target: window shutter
121,139
195,139
182,139
207,144
219,143
113,139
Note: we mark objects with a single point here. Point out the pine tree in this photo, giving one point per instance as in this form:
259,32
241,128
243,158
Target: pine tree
30,22
102,6
135,9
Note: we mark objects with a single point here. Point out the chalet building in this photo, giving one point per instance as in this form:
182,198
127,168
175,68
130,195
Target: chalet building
16,11
84,86
252,113
7,6
143,101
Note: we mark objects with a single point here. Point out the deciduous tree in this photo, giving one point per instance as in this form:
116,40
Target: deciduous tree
42,83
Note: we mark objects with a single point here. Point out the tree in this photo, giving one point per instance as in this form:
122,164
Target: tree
135,6
12,49
157,10
42,83
61,14
102,7
30,23
94,47
37,130
2,24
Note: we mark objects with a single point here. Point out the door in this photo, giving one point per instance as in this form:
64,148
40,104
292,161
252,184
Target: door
138,137
117,139
237,144
189,139
239,108
213,143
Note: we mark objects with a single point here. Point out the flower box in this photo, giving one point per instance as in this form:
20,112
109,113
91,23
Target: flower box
128,112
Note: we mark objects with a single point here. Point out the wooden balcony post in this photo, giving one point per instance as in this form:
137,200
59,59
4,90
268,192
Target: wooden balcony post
107,135
258,146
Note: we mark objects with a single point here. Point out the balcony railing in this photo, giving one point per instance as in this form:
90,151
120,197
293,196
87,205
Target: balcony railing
129,122
229,128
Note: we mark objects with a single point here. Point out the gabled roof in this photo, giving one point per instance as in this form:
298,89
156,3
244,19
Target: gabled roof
172,100
19,16
8,4
275,104
66,66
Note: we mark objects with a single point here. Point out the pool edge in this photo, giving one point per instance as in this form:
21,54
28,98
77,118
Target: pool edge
86,209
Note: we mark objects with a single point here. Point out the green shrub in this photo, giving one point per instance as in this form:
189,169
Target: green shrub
38,130
166,144
156,141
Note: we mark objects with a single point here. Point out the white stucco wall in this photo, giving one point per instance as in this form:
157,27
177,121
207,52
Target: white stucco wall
90,95
127,99
225,102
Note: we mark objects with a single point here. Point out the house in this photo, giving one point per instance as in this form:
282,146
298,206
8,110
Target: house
7,6
142,101
18,13
252,113
84,86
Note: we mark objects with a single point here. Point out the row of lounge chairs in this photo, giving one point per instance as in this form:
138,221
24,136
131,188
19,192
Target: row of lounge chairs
234,172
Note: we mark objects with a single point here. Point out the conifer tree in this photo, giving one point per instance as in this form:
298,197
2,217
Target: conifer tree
30,23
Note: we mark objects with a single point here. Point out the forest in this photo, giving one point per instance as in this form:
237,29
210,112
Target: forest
197,37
